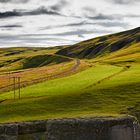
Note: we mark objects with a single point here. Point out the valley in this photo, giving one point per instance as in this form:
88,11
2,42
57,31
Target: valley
97,77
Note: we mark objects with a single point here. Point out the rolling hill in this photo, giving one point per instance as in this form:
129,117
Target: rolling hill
23,58
107,82
33,65
102,46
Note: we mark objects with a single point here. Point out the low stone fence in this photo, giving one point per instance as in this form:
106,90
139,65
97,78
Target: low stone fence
109,128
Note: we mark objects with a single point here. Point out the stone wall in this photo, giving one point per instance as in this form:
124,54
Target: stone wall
101,128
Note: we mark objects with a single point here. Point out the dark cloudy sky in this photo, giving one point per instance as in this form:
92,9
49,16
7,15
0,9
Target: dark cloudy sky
58,22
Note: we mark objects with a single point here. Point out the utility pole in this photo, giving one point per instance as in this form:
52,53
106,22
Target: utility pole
16,81
18,78
9,79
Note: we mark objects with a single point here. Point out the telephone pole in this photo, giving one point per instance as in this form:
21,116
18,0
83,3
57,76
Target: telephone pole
16,84
19,87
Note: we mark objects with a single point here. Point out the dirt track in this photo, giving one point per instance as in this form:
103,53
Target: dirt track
41,79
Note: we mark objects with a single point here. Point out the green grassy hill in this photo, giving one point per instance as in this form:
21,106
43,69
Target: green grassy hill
23,58
100,90
102,46
109,85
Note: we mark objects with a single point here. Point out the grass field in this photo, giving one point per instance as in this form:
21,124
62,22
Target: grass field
33,65
34,75
69,96
108,85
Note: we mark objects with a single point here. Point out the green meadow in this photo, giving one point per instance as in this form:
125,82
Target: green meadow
108,84
78,95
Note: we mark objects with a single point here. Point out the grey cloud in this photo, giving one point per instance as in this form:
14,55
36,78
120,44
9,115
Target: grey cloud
64,25
115,17
79,32
9,14
31,39
133,16
28,36
103,24
124,1
58,6
39,11
113,24
76,24
11,26
14,1
89,11
101,16
81,36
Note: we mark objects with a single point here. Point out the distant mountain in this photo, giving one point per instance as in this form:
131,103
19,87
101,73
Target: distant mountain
102,46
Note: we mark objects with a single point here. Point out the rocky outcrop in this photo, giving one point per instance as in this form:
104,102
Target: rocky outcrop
124,128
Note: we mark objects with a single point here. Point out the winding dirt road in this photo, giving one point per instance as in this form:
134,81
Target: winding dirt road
47,78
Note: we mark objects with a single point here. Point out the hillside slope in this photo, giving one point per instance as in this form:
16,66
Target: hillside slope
125,56
23,58
108,85
102,46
